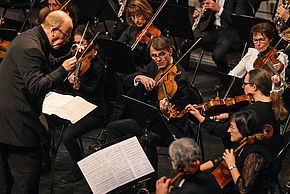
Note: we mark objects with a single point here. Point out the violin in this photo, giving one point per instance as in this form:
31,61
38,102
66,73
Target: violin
150,33
267,60
166,83
216,106
222,173
83,66
4,45
184,171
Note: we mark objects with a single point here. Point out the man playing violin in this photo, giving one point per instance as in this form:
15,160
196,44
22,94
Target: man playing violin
26,78
143,82
185,156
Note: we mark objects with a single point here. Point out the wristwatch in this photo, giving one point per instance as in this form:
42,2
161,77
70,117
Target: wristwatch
232,167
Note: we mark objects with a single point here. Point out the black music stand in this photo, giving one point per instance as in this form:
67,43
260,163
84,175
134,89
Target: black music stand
148,117
7,34
117,54
244,25
173,20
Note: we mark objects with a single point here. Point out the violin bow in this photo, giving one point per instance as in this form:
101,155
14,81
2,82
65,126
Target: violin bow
64,4
133,46
84,52
82,37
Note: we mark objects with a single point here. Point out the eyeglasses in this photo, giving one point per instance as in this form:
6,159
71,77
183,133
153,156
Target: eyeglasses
160,55
261,40
245,83
66,36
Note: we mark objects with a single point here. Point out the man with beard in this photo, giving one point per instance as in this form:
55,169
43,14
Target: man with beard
25,79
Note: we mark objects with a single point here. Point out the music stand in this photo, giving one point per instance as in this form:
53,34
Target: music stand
118,55
148,117
246,23
168,20
8,34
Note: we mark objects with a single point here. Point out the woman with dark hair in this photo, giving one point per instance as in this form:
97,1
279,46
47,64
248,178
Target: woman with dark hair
269,108
250,167
87,84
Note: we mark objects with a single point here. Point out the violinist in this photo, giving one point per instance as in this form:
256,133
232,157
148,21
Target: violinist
143,82
185,154
26,78
53,5
269,108
250,168
88,85
138,13
262,35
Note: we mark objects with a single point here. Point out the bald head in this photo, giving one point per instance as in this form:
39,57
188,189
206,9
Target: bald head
57,26
57,19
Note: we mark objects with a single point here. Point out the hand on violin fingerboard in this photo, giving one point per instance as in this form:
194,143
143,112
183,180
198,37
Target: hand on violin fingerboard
194,112
148,82
220,117
163,104
70,64
163,186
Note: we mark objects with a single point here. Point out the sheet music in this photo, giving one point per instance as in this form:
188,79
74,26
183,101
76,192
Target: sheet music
116,165
66,106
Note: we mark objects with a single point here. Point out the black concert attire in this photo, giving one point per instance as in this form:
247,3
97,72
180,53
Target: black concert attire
265,115
200,183
269,148
178,127
25,80
140,55
221,38
92,90
253,164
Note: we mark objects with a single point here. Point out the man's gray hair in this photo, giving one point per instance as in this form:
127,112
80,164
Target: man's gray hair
183,151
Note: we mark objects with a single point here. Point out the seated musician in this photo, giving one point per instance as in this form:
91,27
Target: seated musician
249,166
138,13
52,5
220,34
88,84
262,36
161,54
269,108
185,157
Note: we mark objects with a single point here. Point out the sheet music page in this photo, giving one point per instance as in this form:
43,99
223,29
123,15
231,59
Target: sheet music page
116,165
66,106
54,101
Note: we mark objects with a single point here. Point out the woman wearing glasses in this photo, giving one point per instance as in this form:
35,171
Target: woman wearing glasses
262,35
269,108
138,13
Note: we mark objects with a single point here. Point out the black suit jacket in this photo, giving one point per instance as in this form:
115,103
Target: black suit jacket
25,79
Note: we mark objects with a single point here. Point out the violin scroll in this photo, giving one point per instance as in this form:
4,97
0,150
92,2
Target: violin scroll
268,131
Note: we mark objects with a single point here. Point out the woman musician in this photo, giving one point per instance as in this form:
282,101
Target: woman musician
269,108
250,167
138,13
262,35
90,87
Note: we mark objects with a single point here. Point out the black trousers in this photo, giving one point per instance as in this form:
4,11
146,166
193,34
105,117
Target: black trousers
19,169
75,131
